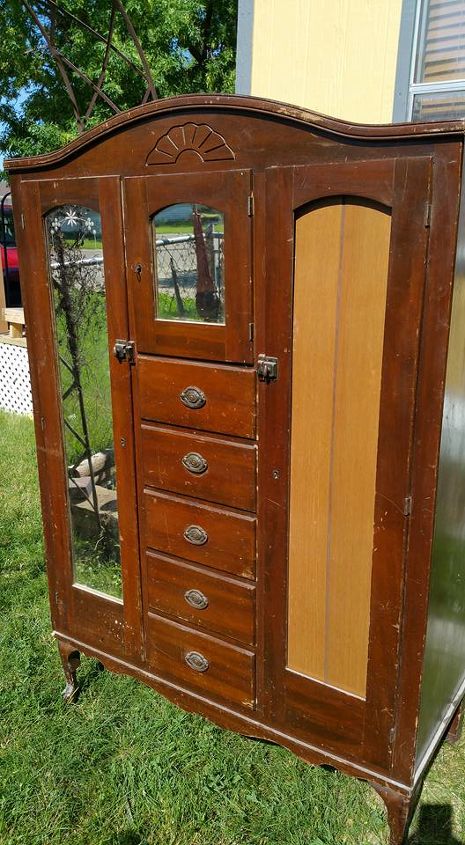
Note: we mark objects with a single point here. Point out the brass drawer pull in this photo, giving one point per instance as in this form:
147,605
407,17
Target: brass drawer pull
196,535
196,661
196,599
194,463
192,397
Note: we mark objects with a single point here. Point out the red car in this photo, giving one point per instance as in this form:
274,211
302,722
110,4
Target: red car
9,254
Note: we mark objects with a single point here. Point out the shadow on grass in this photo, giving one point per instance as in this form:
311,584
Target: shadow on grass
88,673
129,837
435,827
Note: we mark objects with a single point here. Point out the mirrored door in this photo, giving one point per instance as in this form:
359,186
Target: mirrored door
188,241
76,265
79,304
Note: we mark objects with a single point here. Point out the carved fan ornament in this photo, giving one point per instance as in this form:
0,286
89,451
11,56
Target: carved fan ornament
191,137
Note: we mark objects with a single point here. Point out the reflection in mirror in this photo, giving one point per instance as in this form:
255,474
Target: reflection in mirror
76,270
188,243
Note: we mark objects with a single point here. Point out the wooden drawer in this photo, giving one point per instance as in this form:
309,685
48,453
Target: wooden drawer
205,467
201,597
201,533
197,661
225,396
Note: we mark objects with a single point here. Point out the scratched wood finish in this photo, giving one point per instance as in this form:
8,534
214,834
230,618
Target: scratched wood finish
259,133
228,192
102,195
230,673
229,476
289,158
298,704
229,395
230,543
229,604
343,249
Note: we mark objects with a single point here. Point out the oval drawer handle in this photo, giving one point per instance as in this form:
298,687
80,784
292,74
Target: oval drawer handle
196,661
194,463
196,535
192,397
196,599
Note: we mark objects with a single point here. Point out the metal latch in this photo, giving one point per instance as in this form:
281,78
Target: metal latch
125,350
267,368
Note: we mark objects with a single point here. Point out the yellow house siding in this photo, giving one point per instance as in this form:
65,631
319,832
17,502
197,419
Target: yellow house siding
337,57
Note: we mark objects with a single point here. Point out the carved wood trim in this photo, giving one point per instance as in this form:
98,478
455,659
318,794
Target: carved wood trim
198,138
234,104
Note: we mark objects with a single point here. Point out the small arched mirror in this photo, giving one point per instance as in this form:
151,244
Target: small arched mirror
188,243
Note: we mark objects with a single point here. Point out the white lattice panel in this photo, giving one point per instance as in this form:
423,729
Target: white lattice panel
15,383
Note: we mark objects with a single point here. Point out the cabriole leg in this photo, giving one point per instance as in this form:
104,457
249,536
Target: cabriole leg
70,659
400,809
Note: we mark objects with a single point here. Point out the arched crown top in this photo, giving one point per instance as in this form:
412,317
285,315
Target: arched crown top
216,147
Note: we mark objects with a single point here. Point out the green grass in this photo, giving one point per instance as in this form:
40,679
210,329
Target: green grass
124,766
166,307
87,243
99,569
183,228
95,378
96,563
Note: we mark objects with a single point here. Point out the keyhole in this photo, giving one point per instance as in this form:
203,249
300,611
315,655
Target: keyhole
138,271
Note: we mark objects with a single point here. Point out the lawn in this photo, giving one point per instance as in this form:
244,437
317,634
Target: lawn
125,767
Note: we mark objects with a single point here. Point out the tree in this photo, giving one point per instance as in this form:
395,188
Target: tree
189,46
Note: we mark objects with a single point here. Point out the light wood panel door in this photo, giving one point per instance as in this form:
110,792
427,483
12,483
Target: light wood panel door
343,402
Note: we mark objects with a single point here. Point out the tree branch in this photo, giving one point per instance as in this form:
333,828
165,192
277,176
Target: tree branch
138,45
97,35
87,79
103,72
56,56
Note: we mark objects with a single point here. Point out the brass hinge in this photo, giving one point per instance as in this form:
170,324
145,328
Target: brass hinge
250,205
125,350
427,219
22,221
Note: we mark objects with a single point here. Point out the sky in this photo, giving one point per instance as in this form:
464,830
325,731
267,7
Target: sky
2,126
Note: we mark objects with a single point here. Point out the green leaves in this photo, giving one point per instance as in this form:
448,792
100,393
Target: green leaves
189,46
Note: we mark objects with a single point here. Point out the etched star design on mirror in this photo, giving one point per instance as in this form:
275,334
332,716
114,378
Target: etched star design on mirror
89,226
71,217
64,218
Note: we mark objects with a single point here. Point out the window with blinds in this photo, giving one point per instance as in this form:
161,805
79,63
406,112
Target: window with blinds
437,82
442,49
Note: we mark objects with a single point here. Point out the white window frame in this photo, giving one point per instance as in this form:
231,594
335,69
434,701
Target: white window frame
406,87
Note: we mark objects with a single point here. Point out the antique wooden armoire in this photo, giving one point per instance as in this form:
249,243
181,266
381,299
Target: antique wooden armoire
246,330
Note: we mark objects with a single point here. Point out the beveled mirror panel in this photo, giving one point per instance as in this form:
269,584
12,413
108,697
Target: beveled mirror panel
189,261
340,287
76,270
